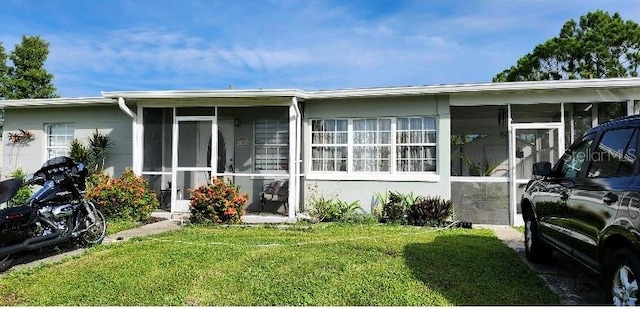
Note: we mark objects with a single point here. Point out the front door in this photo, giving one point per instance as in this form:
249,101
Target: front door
192,160
530,143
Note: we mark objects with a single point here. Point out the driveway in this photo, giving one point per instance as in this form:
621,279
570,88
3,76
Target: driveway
574,285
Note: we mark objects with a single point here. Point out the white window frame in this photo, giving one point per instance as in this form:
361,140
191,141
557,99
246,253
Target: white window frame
423,132
285,155
48,147
377,144
392,175
331,145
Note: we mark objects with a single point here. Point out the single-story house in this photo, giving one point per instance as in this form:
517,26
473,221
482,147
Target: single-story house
471,143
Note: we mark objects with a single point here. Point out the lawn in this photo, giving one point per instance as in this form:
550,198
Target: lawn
301,265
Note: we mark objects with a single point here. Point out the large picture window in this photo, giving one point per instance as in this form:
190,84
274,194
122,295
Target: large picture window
271,144
59,137
385,145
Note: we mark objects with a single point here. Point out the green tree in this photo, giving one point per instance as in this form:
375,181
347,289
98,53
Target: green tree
4,70
26,77
598,46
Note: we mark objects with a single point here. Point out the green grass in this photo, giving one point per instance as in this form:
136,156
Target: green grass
118,225
302,265
519,229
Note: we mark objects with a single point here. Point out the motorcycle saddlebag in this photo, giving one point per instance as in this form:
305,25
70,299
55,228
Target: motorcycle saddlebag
12,215
15,215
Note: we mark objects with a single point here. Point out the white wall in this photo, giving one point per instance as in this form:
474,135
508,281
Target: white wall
107,119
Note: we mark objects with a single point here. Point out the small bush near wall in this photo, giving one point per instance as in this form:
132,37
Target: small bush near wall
219,202
127,197
23,193
392,206
429,211
395,207
323,209
326,210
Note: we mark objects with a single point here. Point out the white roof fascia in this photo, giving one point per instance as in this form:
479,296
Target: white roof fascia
482,87
184,94
55,102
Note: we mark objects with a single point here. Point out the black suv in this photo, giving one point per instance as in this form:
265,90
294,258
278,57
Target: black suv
588,207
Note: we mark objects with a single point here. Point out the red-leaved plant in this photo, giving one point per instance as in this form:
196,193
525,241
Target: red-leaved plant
219,202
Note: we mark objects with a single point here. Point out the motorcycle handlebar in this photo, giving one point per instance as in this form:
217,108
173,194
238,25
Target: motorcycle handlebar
35,181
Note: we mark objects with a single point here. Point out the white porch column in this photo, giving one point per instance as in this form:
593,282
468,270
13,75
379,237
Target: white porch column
136,136
633,108
293,179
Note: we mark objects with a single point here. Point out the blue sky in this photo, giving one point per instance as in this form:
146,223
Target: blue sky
300,44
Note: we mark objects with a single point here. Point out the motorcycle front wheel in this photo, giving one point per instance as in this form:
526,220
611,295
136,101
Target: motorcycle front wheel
96,233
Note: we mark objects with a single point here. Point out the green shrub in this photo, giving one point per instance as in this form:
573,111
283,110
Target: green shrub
219,202
24,192
395,207
79,152
127,197
391,207
329,209
429,211
95,155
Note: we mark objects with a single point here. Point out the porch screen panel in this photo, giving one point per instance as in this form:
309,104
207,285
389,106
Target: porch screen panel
372,145
481,202
157,139
416,144
329,144
271,144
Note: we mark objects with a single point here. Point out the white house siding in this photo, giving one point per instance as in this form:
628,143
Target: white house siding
86,119
359,187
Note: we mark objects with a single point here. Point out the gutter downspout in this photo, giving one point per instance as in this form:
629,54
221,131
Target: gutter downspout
125,108
134,136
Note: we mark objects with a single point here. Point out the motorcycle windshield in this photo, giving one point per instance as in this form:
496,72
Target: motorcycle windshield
9,188
54,166
62,160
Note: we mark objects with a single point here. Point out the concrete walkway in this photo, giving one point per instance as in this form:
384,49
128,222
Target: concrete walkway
145,230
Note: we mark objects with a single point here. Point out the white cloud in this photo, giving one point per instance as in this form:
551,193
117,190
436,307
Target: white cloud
310,44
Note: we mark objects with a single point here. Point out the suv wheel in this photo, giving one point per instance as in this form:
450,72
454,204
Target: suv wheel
622,278
535,250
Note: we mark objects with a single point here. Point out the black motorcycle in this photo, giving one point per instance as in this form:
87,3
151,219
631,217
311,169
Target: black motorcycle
55,214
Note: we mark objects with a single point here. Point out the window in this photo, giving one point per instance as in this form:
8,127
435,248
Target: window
416,144
329,141
389,145
59,137
271,144
614,155
574,159
372,145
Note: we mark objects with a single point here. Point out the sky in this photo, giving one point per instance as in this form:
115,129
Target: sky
118,45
